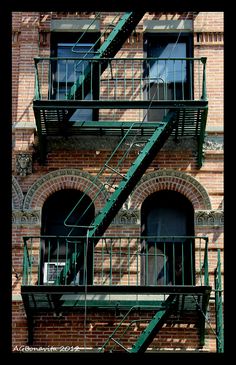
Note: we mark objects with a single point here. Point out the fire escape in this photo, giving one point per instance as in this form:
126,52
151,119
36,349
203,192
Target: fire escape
124,84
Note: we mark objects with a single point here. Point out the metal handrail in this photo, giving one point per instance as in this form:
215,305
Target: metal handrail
120,260
130,79
219,306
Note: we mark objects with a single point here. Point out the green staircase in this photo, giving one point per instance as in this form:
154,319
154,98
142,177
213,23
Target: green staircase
129,181
154,326
108,49
148,334
123,190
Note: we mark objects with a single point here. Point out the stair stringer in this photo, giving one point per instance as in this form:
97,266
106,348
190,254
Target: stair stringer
126,186
154,326
108,49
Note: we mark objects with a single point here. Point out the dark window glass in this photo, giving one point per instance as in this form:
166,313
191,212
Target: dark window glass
54,213
65,73
167,78
168,259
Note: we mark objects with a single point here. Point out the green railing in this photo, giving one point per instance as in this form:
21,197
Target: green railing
139,261
219,307
122,79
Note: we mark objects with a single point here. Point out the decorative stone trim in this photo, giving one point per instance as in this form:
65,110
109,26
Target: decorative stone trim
63,179
44,38
15,36
213,144
17,194
209,38
210,218
23,163
127,217
30,217
171,180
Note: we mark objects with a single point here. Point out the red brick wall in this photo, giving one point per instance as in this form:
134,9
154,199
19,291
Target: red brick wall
31,37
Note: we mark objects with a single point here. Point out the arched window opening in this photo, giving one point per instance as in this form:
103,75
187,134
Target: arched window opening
62,243
168,250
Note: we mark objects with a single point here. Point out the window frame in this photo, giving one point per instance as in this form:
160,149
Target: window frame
150,38
72,38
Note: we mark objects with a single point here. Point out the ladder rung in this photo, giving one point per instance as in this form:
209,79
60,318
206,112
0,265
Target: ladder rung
114,170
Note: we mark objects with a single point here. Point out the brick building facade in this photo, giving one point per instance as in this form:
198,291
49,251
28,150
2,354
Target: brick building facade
44,164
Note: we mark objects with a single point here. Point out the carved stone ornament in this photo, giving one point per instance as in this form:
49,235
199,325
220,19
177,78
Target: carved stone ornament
30,217
24,164
210,218
127,217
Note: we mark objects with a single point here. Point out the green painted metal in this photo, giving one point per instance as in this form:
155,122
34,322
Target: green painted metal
202,316
55,117
133,175
108,49
154,326
201,137
119,252
219,306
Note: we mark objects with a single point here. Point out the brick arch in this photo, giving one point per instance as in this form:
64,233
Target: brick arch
171,180
17,194
64,179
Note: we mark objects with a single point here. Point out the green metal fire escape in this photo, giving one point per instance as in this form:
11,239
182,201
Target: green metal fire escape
181,118
219,307
108,49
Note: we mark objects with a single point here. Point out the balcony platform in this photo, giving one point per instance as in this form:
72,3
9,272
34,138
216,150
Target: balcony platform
70,297
54,117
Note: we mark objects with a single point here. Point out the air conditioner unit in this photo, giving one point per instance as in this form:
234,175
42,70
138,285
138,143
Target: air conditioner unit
51,271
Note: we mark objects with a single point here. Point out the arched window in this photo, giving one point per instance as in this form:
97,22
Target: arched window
167,221
56,251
